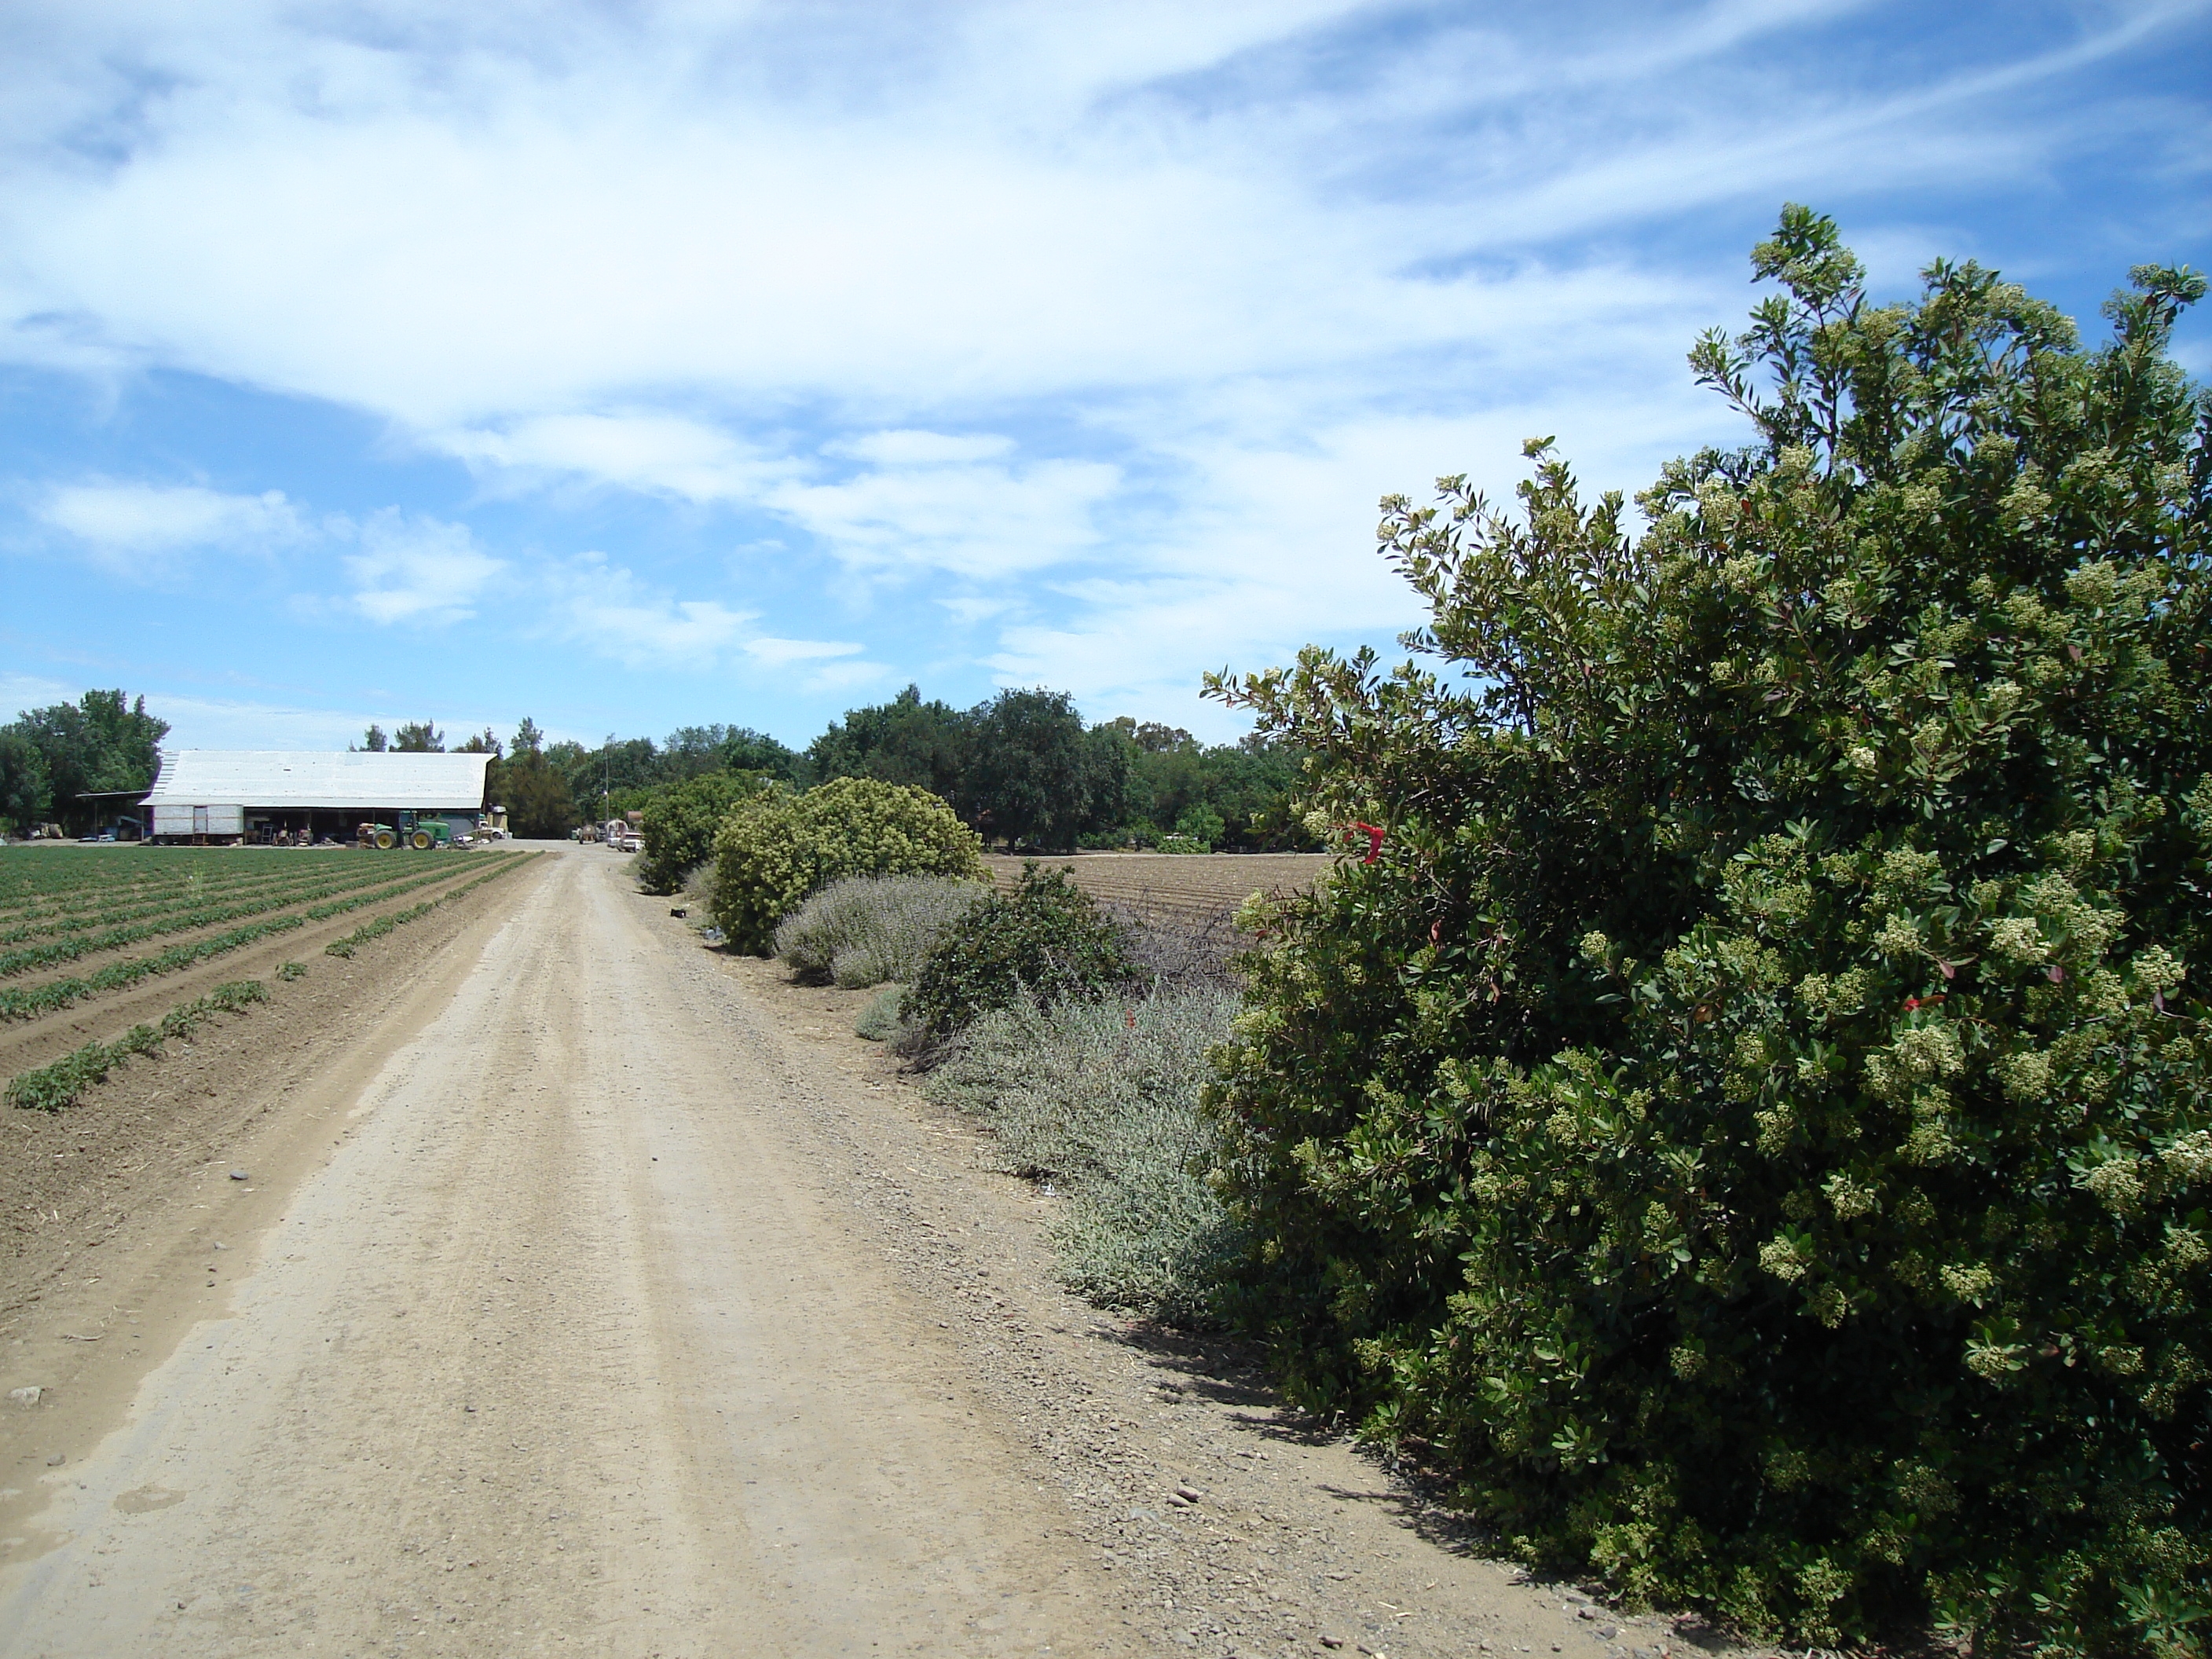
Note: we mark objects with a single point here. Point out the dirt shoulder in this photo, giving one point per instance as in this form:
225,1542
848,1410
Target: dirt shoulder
1233,1525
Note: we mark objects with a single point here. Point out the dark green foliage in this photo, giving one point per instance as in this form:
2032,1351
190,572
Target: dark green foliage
680,822
924,745
1751,1119
1045,940
1176,785
539,806
418,738
1034,779
104,741
25,789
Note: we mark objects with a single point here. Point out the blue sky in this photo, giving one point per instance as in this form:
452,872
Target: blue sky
629,366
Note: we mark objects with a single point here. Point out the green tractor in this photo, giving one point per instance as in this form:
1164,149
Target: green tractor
421,833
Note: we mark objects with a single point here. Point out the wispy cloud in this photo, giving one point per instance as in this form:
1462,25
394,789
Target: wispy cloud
417,570
143,529
935,501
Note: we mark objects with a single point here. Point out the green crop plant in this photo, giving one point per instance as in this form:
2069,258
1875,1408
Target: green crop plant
774,847
1743,1106
50,1088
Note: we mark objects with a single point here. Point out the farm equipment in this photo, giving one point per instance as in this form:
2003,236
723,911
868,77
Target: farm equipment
421,835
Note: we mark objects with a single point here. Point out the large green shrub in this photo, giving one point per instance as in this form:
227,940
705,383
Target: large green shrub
680,824
775,848
1750,1117
1044,941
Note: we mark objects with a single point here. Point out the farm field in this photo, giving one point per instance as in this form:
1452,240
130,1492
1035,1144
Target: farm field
93,941
1169,887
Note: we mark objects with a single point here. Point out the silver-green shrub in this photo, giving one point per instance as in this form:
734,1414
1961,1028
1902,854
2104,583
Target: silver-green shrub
1101,1098
867,929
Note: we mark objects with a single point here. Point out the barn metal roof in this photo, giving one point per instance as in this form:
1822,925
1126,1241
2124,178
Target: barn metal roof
288,777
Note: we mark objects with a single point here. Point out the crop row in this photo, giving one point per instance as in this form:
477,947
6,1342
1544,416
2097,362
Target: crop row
35,999
29,876
55,994
383,925
106,910
152,883
51,1087
175,921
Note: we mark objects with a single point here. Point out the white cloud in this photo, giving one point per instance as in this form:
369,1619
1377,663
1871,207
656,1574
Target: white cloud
778,653
140,528
1102,325
974,518
417,570
605,607
912,448
660,455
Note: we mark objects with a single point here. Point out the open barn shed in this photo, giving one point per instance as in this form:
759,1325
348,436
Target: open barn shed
296,796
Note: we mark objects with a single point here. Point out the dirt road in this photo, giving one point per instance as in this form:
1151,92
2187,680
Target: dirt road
592,1292
558,1353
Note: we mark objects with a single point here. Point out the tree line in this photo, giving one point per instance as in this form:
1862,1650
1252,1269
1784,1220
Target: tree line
1021,768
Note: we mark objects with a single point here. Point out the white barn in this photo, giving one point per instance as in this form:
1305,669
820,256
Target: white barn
258,794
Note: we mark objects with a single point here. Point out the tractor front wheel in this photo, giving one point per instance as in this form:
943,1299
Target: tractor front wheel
422,841
386,840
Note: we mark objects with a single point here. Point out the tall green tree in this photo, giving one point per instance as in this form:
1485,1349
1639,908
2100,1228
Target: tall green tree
1031,779
26,791
927,745
106,741
1749,1112
419,738
536,795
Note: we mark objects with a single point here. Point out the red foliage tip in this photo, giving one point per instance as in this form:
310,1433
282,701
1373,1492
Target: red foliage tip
1912,1003
1436,931
1374,834
2057,974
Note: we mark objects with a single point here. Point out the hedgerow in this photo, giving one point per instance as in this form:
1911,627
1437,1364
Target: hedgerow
1044,942
680,823
776,847
1750,1118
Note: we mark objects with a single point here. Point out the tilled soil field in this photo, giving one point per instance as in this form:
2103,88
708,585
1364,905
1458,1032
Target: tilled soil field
1177,888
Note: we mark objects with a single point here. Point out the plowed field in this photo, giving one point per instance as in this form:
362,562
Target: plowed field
1178,887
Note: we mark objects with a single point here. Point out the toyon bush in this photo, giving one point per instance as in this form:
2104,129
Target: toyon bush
775,848
1749,1120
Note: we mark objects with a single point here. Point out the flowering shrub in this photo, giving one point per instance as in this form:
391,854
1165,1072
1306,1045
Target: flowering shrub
774,849
1749,1116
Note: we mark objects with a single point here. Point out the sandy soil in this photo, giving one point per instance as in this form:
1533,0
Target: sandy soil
598,1293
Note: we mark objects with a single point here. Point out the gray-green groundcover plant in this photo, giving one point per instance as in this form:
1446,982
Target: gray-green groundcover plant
867,929
1749,1118
1102,1100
